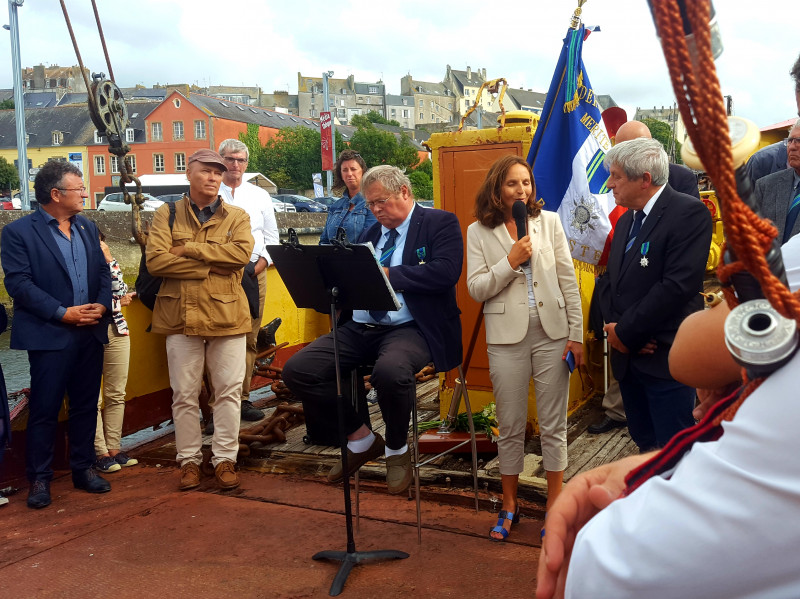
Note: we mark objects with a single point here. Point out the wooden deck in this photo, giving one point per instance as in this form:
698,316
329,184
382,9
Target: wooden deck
453,471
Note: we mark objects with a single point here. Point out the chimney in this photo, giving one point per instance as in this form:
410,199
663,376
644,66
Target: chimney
38,76
483,72
469,72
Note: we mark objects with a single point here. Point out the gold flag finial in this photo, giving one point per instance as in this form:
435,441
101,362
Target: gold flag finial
576,16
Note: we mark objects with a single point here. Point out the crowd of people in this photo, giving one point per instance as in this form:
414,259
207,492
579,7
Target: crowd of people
211,253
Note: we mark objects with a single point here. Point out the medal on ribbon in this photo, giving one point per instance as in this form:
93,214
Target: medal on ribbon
421,255
645,248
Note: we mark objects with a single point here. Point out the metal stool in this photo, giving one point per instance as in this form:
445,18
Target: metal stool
459,389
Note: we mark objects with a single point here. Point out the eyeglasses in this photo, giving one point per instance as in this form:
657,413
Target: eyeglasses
792,140
232,160
376,203
78,189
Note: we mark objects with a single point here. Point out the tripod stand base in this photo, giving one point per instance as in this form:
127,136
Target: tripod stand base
350,559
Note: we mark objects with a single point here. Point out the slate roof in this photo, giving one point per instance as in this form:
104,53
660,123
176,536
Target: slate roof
40,99
72,121
461,78
527,98
392,100
428,87
363,88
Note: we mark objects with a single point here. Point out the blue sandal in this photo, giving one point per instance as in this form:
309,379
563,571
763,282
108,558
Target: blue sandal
501,518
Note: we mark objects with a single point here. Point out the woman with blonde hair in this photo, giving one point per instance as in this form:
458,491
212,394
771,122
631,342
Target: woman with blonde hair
532,311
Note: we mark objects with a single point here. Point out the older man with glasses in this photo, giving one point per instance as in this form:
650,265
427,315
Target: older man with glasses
421,251
61,286
779,193
258,205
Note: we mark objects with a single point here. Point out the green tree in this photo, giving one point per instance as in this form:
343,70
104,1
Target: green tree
8,175
291,157
6,104
426,166
422,185
377,146
663,133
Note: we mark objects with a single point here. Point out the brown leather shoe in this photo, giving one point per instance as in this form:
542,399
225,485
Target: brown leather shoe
399,472
356,460
190,476
226,475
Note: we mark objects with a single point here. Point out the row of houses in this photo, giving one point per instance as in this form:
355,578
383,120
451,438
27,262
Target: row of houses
419,103
162,134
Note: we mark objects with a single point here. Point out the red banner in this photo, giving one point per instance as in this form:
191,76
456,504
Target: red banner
327,140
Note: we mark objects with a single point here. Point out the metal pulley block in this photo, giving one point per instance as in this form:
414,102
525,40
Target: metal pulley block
109,113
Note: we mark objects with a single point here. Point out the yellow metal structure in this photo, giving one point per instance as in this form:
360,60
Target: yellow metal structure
460,162
718,236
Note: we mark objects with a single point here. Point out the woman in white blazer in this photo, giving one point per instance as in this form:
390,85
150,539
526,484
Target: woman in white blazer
533,317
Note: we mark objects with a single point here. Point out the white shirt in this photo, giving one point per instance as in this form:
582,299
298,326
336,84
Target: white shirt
724,525
258,205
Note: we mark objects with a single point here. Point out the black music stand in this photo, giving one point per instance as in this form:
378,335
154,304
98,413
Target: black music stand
327,278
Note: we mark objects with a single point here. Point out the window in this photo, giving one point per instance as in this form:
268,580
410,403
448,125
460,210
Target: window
421,103
449,106
58,138
177,130
341,102
180,162
99,165
373,89
98,139
155,132
176,103
158,163
114,165
406,113
432,104
421,116
129,135
199,129
132,160
394,112
366,99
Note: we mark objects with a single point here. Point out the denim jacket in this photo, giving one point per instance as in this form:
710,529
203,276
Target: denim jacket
355,221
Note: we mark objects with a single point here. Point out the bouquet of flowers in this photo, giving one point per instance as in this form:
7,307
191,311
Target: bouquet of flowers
484,421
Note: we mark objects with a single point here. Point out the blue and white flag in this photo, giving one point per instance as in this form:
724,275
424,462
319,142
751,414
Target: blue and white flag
567,156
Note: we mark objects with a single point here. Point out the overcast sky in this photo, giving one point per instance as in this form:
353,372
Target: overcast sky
266,43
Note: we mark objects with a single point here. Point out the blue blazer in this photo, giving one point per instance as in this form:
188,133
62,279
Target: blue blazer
650,301
37,280
432,262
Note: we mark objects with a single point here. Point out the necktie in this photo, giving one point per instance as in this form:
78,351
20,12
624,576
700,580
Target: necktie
385,259
637,224
791,217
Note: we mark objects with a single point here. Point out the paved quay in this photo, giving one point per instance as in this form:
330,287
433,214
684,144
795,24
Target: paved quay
147,539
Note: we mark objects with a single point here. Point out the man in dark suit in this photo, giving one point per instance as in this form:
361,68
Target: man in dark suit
61,286
421,251
779,193
773,158
655,276
680,179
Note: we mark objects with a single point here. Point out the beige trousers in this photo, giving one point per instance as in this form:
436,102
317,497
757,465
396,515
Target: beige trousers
224,357
252,336
612,400
111,403
511,367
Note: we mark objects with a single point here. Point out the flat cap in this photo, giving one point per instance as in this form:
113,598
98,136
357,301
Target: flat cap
208,157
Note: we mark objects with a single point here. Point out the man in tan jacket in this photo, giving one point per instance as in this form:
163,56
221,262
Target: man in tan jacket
203,311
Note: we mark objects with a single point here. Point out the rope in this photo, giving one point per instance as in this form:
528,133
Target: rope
703,111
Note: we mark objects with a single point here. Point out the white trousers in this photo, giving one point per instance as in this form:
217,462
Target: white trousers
225,359
511,367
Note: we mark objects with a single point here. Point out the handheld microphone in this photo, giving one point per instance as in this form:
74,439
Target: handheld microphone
520,213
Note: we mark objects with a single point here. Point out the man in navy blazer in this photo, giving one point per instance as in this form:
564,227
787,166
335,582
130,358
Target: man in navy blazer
421,251
655,277
61,286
